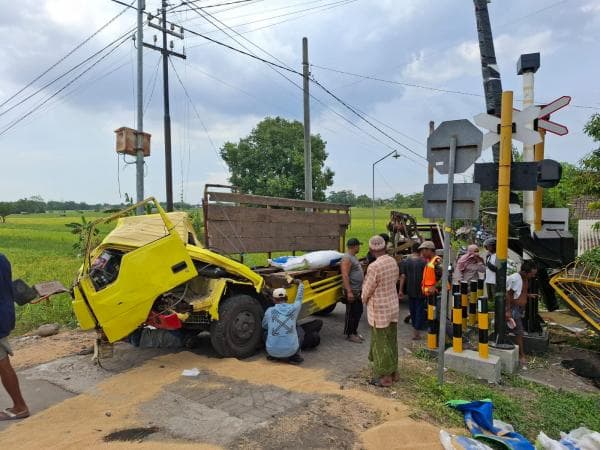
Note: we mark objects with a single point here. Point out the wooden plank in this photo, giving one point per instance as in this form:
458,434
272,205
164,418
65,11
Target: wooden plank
230,244
264,215
272,201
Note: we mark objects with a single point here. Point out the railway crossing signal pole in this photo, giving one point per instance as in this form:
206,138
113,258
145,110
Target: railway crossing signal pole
162,26
506,124
139,138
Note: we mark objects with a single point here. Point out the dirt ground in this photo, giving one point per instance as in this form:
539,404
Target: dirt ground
140,398
31,350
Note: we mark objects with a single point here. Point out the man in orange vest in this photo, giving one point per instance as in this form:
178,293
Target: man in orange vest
432,272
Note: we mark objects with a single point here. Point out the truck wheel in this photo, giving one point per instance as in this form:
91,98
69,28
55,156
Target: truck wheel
326,311
238,332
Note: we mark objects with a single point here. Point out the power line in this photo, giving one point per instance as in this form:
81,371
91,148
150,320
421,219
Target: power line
310,10
420,86
355,112
197,113
220,4
77,47
75,67
153,81
272,64
24,116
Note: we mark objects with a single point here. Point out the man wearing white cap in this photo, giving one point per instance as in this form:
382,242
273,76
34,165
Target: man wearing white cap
283,337
381,297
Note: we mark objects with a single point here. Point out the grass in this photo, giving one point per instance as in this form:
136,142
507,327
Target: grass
40,248
528,406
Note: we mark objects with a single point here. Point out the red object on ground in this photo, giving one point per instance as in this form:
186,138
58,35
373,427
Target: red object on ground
164,321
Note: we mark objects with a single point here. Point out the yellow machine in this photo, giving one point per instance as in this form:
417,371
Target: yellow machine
152,270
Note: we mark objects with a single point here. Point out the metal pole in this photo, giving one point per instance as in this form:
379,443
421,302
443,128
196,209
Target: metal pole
168,163
539,194
502,220
528,152
429,165
308,190
139,147
447,229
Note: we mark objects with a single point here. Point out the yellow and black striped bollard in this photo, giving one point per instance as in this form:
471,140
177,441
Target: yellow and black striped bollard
464,299
480,286
432,333
484,322
473,303
457,343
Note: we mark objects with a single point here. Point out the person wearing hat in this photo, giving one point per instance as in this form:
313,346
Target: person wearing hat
284,338
352,278
381,297
432,272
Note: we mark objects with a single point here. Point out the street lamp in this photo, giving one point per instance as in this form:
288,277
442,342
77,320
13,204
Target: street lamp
395,155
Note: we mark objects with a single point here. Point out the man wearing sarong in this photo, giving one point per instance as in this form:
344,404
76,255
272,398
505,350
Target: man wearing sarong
381,297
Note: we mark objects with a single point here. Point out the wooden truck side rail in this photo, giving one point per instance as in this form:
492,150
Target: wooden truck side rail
237,223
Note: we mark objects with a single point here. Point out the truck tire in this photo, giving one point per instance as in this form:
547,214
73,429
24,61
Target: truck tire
238,332
326,311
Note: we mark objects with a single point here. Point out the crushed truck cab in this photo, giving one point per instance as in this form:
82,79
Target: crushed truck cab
152,270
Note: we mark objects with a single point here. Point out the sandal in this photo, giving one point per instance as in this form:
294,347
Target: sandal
7,414
377,382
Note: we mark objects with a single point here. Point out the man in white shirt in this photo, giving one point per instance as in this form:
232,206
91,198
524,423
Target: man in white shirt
517,293
490,268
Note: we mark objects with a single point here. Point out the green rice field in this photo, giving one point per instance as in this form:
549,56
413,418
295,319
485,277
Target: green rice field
40,248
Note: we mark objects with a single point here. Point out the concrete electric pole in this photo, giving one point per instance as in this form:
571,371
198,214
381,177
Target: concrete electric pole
139,141
163,27
308,190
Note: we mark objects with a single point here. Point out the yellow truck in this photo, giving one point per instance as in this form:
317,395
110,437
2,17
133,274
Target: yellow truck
152,269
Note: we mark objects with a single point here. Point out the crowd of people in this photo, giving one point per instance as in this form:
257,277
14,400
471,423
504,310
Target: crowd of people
385,283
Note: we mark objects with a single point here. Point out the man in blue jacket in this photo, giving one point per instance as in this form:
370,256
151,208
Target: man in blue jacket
283,337
8,376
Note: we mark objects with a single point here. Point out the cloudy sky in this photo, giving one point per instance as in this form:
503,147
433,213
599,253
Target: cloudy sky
59,143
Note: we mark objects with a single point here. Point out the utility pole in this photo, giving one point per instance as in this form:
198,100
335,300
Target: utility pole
308,190
492,85
139,138
166,52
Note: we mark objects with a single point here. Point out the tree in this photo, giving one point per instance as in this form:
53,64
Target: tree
270,161
342,197
6,209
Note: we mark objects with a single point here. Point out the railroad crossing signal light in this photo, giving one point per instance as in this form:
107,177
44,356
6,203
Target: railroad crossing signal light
549,173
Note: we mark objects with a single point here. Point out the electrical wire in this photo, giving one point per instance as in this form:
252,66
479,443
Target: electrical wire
77,47
187,94
420,86
153,81
221,4
272,65
24,116
311,10
75,67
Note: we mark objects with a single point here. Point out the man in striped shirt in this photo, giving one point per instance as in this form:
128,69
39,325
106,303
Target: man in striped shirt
381,297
